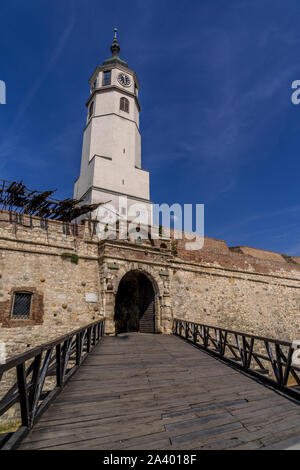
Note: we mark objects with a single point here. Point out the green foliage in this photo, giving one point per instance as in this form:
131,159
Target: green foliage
174,249
71,256
288,258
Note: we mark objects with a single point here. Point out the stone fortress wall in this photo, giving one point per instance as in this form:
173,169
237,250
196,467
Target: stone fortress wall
74,277
36,258
239,288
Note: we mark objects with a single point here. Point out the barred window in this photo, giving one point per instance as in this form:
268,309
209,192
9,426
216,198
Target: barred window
21,305
124,104
106,77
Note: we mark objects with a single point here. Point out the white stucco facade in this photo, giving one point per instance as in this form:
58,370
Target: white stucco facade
111,149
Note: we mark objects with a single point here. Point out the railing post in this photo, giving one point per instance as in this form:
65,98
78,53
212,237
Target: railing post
78,349
224,344
220,341
94,335
35,378
202,333
88,344
279,366
288,362
58,366
195,333
24,403
205,336
245,352
39,386
34,386
66,355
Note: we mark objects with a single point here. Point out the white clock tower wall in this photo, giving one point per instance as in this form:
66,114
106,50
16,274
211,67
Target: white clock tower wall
111,150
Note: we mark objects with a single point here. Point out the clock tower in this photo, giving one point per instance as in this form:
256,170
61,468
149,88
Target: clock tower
111,150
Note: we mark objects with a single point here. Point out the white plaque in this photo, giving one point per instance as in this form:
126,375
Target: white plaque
91,297
2,352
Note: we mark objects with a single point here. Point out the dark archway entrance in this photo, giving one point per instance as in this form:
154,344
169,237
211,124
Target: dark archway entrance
135,304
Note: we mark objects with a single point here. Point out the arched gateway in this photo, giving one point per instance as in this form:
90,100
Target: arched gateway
135,304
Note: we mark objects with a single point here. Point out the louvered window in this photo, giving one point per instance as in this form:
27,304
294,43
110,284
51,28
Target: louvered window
124,104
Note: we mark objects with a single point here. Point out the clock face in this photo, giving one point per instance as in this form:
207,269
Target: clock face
124,79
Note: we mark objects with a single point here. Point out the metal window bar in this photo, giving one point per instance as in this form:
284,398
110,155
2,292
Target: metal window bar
21,305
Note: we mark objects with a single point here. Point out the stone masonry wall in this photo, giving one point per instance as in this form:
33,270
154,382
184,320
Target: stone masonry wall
235,287
262,307
30,260
240,288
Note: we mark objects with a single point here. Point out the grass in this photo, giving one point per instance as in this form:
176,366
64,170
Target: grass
9,427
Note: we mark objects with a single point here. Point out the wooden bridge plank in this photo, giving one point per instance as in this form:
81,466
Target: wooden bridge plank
148,391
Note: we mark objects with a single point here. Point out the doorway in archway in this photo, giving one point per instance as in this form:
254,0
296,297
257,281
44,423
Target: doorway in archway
135,304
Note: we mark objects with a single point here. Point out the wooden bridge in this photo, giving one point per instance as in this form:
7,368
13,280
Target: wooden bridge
146,391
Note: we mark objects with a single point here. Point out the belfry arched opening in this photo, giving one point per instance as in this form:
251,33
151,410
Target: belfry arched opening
135,304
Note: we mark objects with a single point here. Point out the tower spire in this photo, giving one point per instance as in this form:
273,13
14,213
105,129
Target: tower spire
115,49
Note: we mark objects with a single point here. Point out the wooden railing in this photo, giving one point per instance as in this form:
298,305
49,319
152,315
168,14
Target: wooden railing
268,359
57,360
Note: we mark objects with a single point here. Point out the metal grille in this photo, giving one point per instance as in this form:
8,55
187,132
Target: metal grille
22,302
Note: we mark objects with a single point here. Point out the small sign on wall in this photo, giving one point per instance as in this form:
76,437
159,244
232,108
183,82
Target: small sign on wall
2,352
91,297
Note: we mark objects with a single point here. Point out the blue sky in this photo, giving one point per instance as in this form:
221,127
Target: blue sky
218,126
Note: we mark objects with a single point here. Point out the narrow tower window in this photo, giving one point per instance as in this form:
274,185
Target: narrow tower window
124,104
106,77
91,109
94,85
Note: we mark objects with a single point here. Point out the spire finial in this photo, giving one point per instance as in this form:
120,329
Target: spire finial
115,49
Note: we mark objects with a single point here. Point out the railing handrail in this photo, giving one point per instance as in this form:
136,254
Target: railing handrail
60,358
268,359
19,358
235,332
